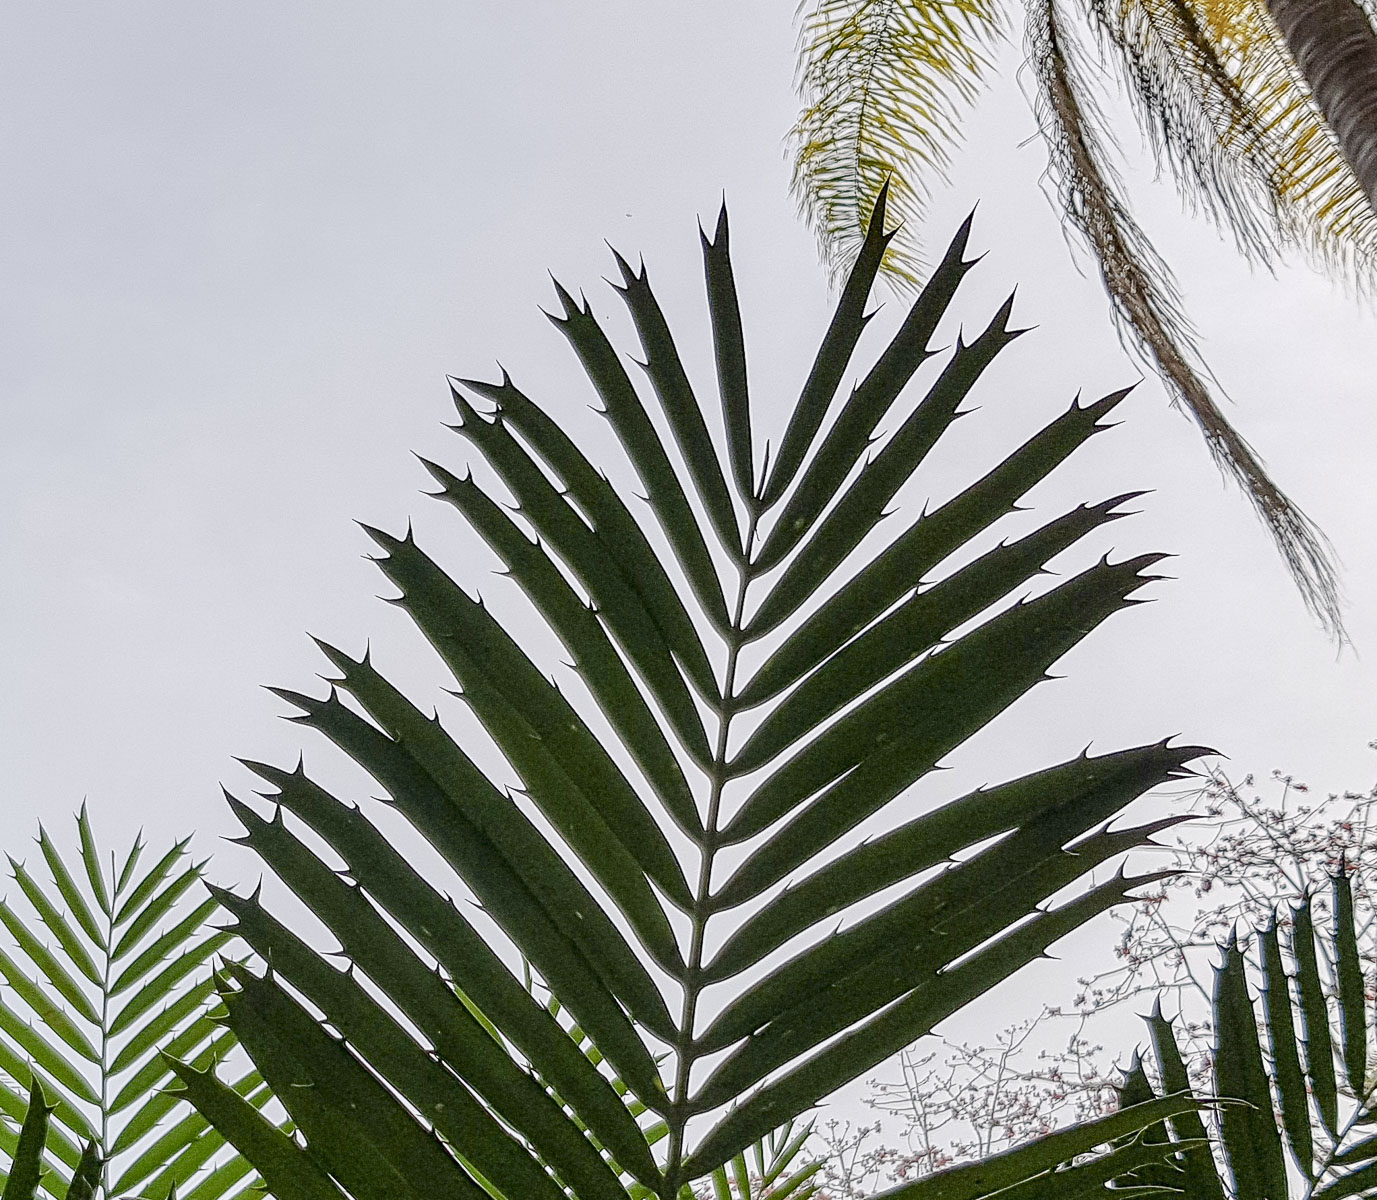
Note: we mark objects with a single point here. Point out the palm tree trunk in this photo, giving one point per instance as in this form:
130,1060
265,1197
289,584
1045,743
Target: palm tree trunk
1335,47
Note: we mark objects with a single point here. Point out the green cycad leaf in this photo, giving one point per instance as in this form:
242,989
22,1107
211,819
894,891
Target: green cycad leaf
780,1169
842,445
1285,1051
439,776
930,839
680,406
86,1177
126,971
458,1116
207,1053
1251,1140
90,858
469,962
1319,1043
178,1153
730,348
883,582
616,916
613,560
1165,1173
1202,1180
289,1172
373,1145
628,417
852,974
59,1148
918,624
182,1151
137,899
588,798
1026,1165
131,860
420,994
913,723
833,355
997,663
27,1164
57,924
862,505
77,904
1348,968
576,624
501,857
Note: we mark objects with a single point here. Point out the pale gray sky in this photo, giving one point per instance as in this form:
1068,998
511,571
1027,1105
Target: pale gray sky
243,244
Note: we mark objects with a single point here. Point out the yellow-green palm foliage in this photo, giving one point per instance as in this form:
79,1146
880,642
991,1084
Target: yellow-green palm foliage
1261,109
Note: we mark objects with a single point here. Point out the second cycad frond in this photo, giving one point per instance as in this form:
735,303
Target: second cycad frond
1265,112
756,678
110,968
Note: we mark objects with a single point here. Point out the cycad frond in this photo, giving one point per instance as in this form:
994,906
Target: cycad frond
845,669
883,83
112,967
776,1167
1143,293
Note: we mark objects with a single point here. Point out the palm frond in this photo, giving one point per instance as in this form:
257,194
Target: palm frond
1148,308
844,671
112,965
883,83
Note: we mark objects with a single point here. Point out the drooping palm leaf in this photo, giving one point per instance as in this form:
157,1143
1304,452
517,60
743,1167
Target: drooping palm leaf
880,661
110,965
1219,93
1143,294
1299,1055
1261,109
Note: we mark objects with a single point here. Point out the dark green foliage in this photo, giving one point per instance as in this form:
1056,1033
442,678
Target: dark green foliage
1304,1128
26,1169
687,734
1052,1167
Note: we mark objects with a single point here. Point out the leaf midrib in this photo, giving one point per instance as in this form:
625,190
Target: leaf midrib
107,969
718,775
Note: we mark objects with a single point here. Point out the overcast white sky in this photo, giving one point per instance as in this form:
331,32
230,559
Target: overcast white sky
243,244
